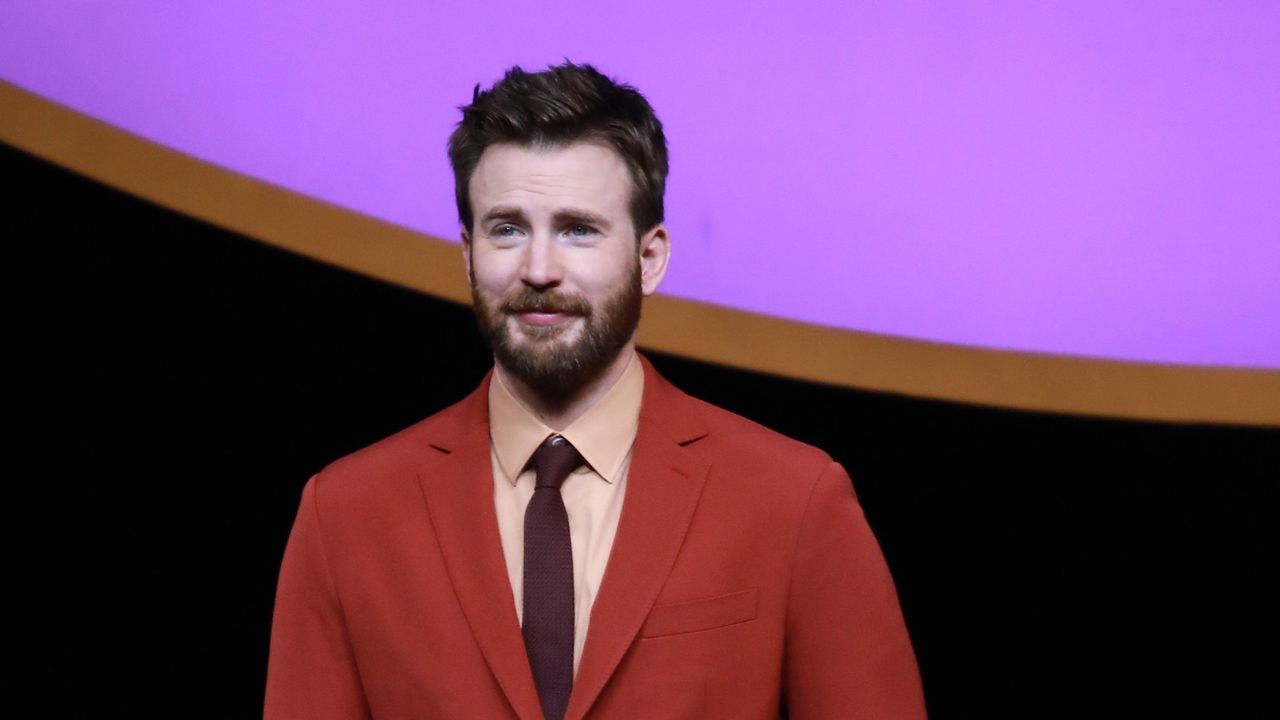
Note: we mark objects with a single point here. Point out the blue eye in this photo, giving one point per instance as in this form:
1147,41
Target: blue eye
580,230
506,235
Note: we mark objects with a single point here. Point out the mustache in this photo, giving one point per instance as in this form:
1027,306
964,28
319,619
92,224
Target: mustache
530,300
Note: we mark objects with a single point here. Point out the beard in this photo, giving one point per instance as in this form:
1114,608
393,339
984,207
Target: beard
554,367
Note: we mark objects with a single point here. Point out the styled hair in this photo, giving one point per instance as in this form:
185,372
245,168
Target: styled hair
559,106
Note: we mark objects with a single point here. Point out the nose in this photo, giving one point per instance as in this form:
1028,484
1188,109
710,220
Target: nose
542,268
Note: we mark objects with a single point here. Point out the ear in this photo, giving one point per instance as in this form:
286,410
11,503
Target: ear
655,251
466,251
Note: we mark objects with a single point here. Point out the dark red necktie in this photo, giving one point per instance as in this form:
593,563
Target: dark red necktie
548,578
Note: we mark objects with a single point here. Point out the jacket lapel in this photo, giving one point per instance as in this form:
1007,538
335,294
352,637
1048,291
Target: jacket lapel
667,473
458,486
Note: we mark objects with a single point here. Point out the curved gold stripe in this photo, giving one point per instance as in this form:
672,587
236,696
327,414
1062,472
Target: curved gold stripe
695,330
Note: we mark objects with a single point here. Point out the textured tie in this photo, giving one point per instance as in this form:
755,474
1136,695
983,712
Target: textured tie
548,578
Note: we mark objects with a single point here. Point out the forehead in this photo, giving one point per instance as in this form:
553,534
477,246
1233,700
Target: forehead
585,173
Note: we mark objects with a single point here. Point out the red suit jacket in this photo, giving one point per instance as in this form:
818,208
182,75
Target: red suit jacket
743,576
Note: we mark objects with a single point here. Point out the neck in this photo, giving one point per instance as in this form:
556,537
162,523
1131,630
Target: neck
559,413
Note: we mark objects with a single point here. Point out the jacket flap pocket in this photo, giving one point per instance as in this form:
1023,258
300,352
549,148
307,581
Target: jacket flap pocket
704,614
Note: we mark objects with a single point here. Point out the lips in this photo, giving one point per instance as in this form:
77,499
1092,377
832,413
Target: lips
544,313
543,318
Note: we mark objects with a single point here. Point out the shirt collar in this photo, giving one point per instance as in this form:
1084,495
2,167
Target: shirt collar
603,434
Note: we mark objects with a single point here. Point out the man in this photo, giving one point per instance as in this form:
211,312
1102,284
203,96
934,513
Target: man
578,538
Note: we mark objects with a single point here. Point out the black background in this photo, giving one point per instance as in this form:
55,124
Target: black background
175,385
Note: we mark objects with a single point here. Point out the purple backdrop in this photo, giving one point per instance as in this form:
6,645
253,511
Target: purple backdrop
1092,178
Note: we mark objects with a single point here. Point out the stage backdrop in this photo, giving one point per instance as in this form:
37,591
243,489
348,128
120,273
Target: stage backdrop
1061,205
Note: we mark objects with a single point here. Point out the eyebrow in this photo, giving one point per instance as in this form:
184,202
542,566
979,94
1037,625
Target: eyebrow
564,216
503,212
571,216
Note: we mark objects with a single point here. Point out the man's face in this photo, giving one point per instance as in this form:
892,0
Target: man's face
556,273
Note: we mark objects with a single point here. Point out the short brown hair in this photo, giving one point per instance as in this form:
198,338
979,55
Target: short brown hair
561,105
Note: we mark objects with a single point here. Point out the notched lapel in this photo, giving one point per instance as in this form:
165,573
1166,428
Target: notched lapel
668,470
458,487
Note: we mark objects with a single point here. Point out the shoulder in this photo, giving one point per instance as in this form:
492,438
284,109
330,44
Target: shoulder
752,455
738,437
391,465
756,477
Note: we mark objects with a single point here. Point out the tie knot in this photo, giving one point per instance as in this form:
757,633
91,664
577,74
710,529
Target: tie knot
554,459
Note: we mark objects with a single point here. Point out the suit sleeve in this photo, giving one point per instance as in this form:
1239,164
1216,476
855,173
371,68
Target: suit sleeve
848,654
311,672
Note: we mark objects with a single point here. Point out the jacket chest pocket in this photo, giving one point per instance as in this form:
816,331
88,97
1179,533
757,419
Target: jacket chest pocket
705,614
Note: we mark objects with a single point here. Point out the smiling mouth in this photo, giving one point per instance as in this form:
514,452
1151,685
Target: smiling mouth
542,319
545,311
